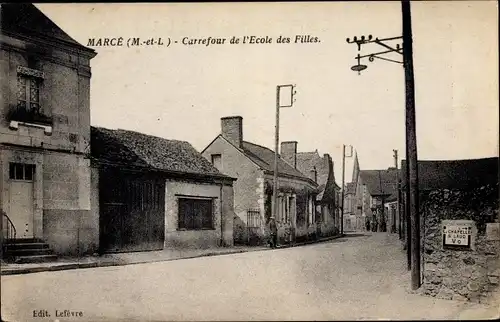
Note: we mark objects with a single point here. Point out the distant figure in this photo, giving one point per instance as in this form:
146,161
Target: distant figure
375,225
273,228
367,225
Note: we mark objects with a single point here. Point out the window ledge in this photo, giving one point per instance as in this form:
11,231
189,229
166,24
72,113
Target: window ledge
14,125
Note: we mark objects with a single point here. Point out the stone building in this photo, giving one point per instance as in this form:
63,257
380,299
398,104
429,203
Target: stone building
151,193
372,189
460,228
45,133
350,220
253,166
392,214
320,169
69,189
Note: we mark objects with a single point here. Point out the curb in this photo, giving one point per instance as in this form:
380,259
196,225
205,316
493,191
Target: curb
73,266
311,242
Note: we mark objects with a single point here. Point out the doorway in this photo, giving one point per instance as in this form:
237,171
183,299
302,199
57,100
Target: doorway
21,198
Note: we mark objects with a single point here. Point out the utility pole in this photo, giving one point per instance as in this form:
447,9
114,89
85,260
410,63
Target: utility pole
276,147
411,194
398,212
279,105
407,210
343,195
412,143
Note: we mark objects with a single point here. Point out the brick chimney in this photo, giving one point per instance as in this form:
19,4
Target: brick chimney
232,129
289,152
328,162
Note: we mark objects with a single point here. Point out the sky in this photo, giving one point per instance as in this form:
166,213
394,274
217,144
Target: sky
181,91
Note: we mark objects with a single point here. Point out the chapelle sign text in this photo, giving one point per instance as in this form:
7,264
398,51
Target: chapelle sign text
457,234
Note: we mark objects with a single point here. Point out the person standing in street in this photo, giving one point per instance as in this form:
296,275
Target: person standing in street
273,228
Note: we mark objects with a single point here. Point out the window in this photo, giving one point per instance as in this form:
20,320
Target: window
28,98
217,161
28,107
195,214
21,171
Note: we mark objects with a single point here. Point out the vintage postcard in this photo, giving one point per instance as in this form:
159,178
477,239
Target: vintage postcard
249,161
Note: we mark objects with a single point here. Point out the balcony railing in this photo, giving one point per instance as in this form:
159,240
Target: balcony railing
27,115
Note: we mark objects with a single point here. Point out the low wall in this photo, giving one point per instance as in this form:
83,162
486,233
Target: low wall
461,274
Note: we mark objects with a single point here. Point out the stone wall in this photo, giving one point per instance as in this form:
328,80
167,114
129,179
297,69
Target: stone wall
469,275
222,215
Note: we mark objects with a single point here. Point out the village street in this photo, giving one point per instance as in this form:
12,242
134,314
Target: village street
355,277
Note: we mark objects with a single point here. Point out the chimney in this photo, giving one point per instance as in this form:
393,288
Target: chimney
328,162
289,152
232,129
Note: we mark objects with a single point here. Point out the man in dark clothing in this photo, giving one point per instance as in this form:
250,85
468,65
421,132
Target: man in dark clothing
273,228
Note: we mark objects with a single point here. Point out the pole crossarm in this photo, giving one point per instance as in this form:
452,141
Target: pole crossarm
376,55
364,40
371,57
387,59
398,49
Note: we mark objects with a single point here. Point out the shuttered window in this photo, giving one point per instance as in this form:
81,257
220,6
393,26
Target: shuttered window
195,214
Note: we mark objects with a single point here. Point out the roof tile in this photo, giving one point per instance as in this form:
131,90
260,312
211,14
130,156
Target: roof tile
455,174
138,149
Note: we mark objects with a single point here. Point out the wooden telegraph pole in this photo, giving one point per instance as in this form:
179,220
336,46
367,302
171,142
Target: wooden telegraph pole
411,144
411,194
279,104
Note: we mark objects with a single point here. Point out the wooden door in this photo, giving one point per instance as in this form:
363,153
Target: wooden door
21,208
132,212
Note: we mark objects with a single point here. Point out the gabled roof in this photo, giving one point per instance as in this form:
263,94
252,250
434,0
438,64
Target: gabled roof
25,18
307,161
264,158
455,174
380,182
355,169
136,149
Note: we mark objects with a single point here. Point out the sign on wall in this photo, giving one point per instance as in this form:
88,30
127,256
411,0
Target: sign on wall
457,233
